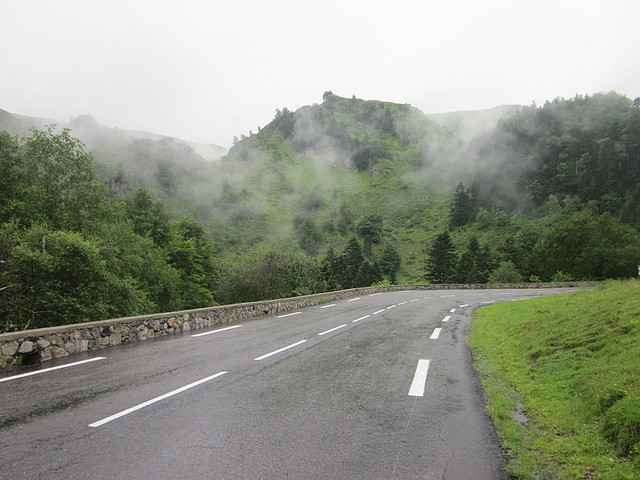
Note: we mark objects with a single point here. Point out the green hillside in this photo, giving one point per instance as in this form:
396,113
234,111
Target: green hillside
308,178
563,380
344,193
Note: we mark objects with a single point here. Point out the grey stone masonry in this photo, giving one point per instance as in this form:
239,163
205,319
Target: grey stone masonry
43,344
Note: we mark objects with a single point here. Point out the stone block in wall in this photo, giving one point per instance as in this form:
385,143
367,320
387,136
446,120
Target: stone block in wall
59,352
27,346
10,348
45,355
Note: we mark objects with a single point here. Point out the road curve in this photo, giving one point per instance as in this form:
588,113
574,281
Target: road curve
376,387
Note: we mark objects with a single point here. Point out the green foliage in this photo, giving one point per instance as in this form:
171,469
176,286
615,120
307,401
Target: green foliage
585,147
69,256
309,236
150,219
587,246
389,261
370,228
53,181
189,252
568,364
263,274
505,273
59,278
462,210
349,264
442,260
368,274
561,277
343,180
475,263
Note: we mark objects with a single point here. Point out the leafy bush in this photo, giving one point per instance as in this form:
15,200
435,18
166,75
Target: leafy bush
505,273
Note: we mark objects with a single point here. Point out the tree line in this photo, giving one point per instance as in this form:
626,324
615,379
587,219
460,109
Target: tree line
578,244
69,253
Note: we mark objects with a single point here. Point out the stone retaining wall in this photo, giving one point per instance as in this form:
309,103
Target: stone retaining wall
43,344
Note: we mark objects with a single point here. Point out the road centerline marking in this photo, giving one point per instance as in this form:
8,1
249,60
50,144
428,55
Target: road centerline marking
327,306
419,379
353,299
216,331
452,310
435,334
377,312
50,369
361,318
154,400
333,329
289,314
447,318
280,350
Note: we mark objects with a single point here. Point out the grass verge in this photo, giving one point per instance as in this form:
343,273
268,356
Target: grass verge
562,377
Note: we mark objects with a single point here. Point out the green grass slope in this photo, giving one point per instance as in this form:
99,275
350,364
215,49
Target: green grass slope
562,376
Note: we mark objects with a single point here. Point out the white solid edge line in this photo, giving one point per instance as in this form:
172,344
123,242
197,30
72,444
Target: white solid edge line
447,318
50,369
216,331
280,350
353,299
374,294
419,379
435,334
289,314
333,329
361,318
153,400
327,306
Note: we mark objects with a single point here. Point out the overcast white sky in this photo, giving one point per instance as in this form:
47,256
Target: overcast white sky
208,70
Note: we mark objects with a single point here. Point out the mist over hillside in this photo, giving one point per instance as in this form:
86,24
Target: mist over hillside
99,139
384,173
470,124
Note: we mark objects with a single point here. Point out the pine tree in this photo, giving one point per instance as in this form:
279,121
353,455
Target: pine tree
350,262
461,207
441,264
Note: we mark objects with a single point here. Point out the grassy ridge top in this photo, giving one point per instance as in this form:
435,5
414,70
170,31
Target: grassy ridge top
562,374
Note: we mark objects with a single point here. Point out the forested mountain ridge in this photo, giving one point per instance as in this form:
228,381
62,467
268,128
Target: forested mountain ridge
344,193
585,150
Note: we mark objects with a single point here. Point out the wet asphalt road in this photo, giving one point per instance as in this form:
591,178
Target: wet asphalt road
320,394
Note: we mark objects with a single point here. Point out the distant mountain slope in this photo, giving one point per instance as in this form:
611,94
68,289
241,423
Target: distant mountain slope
97,136
468,124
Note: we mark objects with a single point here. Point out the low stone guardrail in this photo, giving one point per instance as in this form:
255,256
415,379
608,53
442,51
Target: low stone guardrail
43,344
